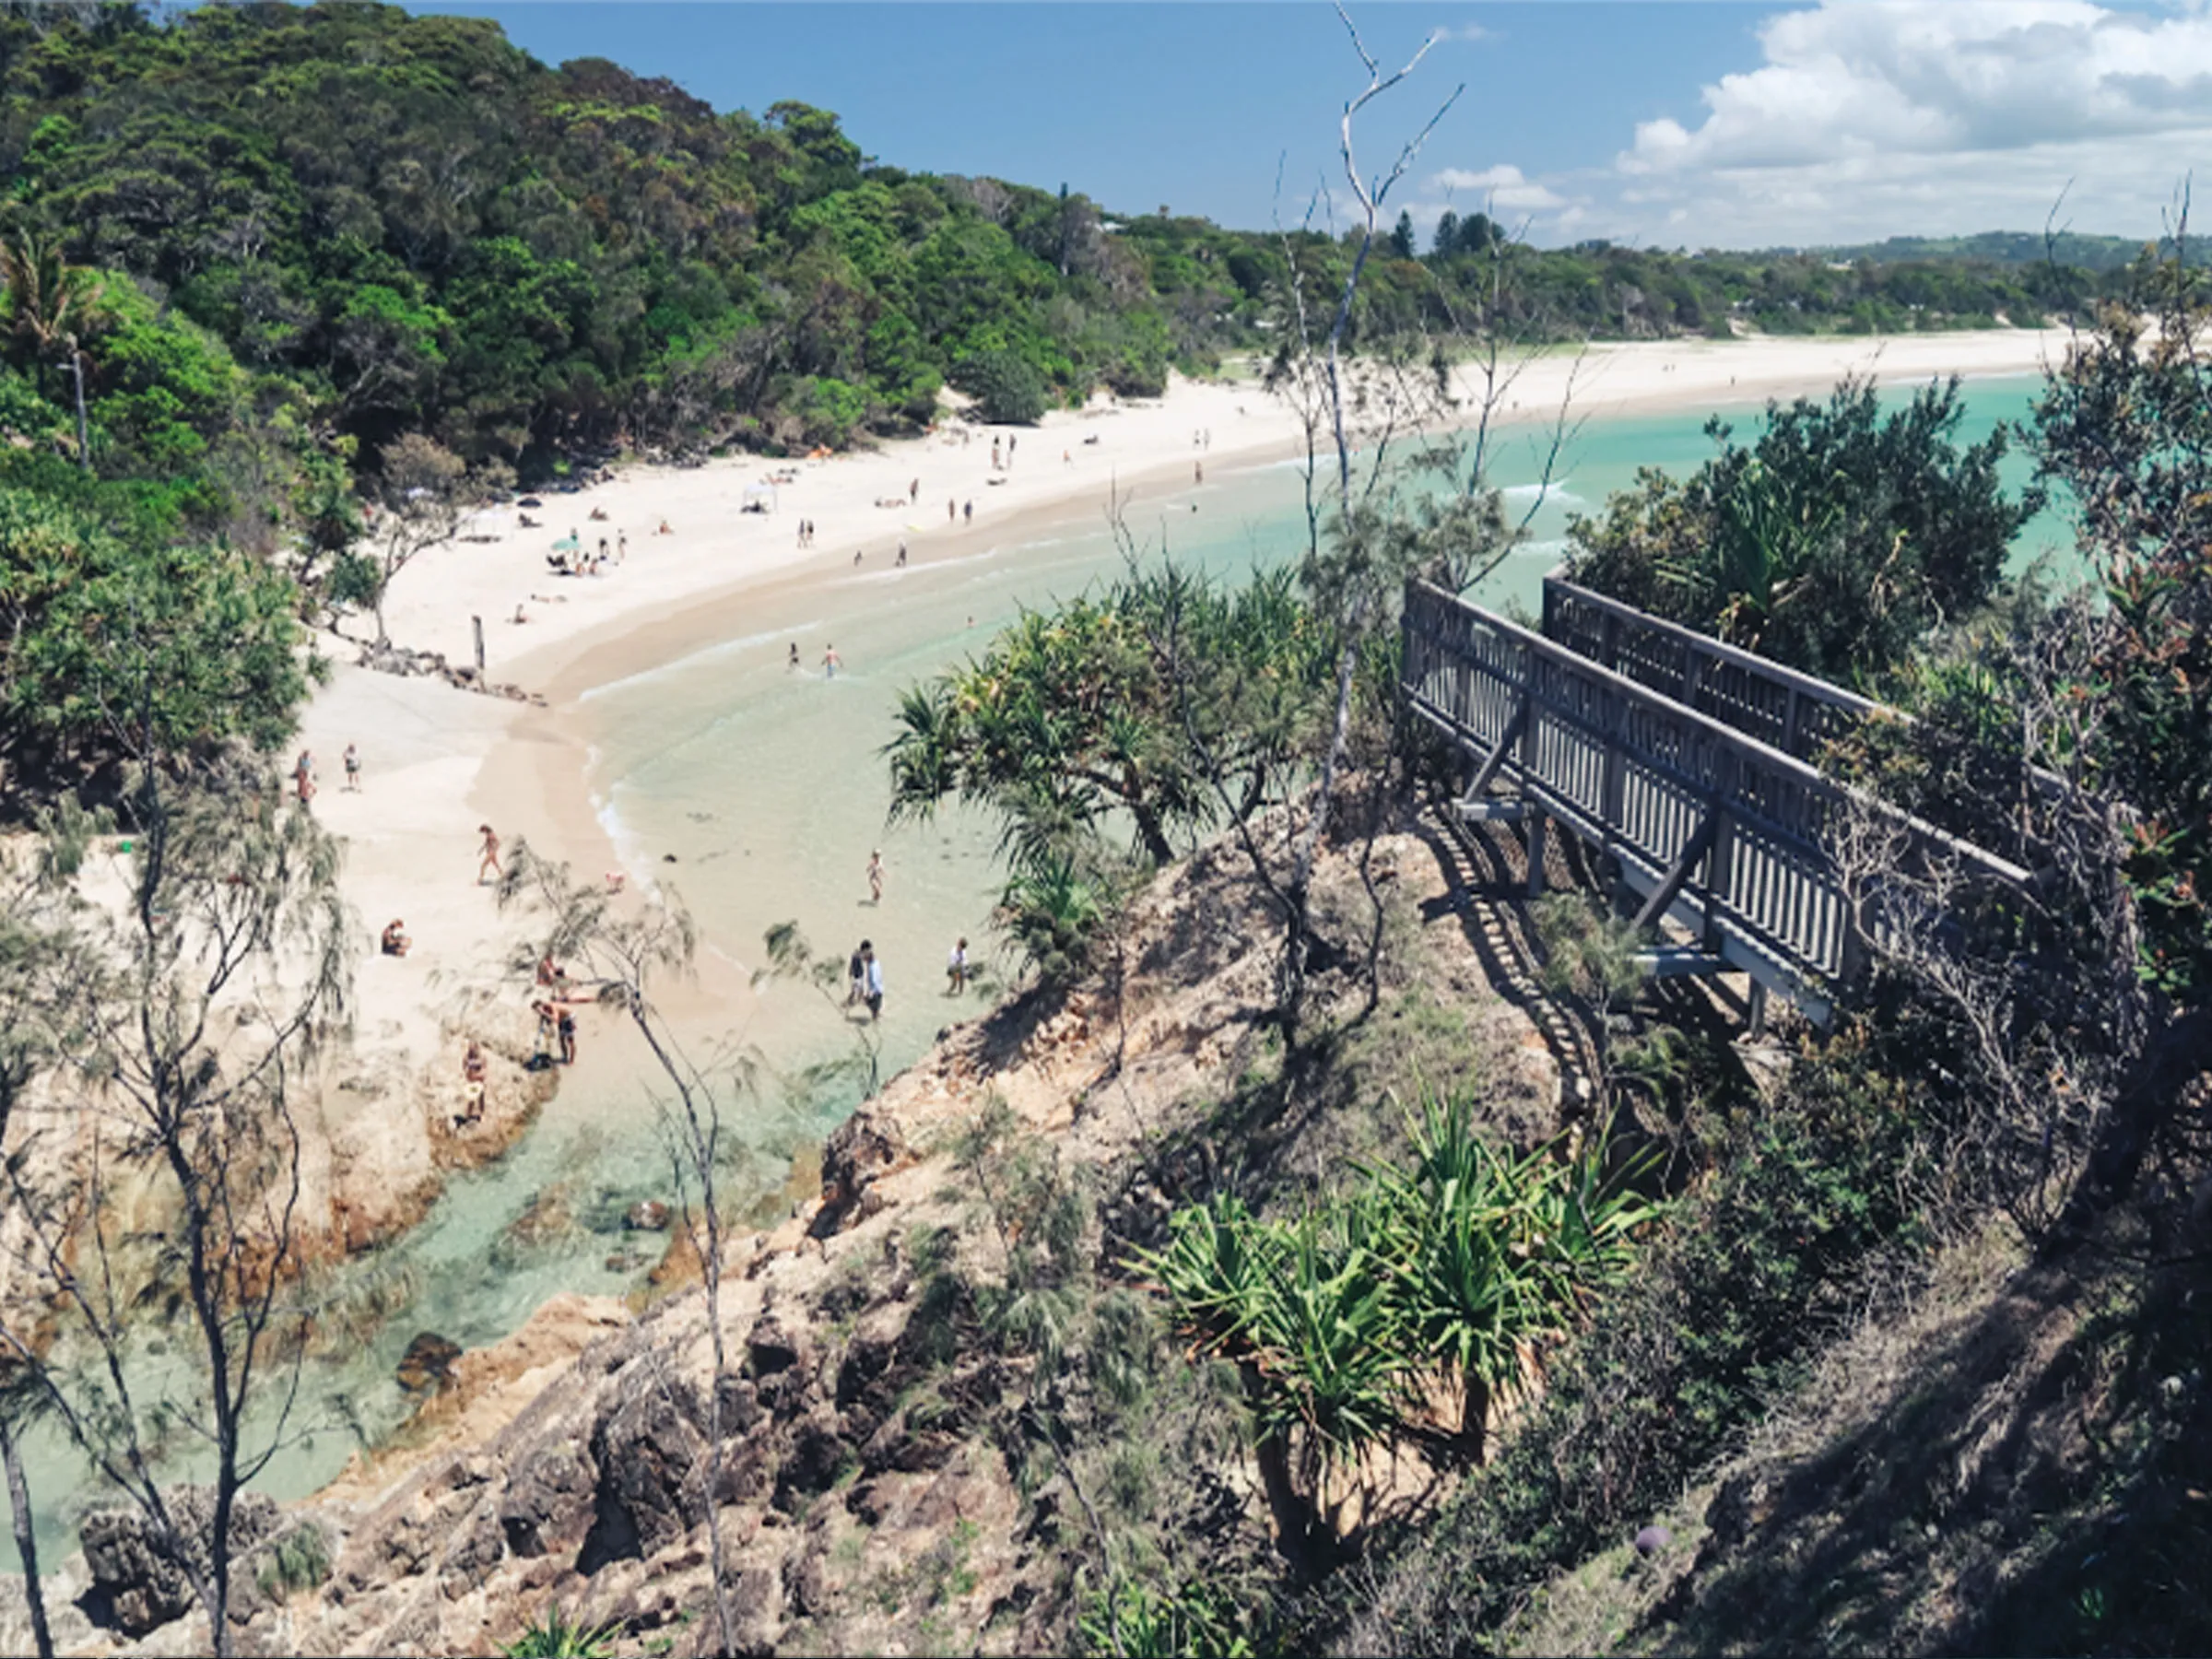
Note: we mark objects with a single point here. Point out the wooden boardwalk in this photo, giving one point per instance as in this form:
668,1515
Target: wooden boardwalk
1686,761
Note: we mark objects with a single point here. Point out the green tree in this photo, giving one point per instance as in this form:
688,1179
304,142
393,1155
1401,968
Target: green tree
1833,543
1007,388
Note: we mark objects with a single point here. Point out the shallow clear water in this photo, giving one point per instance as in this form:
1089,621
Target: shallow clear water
767,787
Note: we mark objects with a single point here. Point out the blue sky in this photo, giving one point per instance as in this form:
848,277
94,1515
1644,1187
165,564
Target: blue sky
1715,124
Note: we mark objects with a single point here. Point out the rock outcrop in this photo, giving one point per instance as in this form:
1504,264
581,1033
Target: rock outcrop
870,1475
138,1585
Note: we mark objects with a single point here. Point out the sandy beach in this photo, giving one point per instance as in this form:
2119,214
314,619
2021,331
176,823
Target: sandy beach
437,761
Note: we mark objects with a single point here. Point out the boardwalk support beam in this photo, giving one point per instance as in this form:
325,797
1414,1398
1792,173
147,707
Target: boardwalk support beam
1670,888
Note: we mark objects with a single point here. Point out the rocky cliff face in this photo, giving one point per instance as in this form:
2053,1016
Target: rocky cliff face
882,1485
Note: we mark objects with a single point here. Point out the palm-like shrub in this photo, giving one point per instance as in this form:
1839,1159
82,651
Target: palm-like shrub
1459,1266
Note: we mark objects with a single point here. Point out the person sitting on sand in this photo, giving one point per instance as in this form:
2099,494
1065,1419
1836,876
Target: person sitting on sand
617,880
396,943
490,853
663,530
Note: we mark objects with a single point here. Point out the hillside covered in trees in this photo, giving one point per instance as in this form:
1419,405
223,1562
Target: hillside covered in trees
364,223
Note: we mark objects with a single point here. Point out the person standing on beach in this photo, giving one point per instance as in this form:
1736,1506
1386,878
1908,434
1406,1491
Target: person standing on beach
952,510
353,769
472,1086
856,975
830,662
794,655
875,877
303,776
871,982
995,452
913,492
621,545
901,556
955,970
970,510
567,1036
1012,439
1198,472
490,851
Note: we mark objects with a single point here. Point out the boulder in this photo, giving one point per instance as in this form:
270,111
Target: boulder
547,1502
138,1582
651,1452
859,1150
428,1365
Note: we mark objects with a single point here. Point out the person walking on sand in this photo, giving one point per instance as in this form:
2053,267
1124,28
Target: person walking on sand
353,769
901,562
875,877
1198,472
566,1025
913,492
830,662
871,982
952,510
995,452
955,970
303,776
856,975
1012,439
970,511
621,545
490,854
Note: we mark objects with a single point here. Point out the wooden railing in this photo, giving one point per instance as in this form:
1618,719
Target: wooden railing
1780,707
1724,831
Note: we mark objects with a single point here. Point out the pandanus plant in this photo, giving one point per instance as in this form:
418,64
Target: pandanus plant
1461,1262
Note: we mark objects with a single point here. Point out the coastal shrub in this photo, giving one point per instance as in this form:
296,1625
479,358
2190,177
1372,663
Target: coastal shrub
1008,388
556,1637
1757,1267
1457,1265
296,1562
1134,1620
1834,542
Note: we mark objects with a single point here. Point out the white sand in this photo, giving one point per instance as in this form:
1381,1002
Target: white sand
439,761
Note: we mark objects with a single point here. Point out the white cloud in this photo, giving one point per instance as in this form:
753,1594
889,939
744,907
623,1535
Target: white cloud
1886,117
1503,187
1462,31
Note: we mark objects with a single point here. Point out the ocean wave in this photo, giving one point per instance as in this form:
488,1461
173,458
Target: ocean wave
727,648
1557,490
630,847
